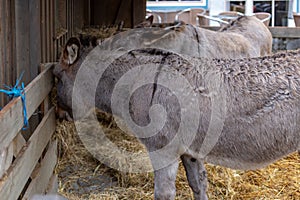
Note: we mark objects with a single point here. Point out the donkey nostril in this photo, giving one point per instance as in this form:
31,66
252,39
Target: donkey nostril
193,160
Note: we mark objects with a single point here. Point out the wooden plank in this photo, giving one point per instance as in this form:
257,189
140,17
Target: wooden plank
87,13
12,42
18,143
12,184
124,13
43,31
2,48
23,40
34,37
43,173
11,117
47,28
61,16
52,28
3,21
6,157
277,31
53,185
105,12
68,17
138,11
7,45
46,103
9,72
284,32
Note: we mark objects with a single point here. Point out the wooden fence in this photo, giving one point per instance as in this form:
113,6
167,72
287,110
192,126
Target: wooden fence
25,39
32,32
26,166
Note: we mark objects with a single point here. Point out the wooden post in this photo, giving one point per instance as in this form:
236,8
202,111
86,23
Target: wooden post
61,15
111,12
22,40
7,46
138,11
6,157
34,38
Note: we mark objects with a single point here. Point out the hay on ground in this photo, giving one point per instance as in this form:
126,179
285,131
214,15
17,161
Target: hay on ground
280,180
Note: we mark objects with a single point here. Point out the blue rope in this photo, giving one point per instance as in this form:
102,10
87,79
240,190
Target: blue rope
18,91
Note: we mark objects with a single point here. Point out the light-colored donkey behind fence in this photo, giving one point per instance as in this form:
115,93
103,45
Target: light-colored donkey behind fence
246,36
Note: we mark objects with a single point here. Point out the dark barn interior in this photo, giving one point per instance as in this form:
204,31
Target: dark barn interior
33,31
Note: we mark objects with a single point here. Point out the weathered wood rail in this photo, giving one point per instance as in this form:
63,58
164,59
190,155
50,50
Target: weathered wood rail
277,31
26,167
285,32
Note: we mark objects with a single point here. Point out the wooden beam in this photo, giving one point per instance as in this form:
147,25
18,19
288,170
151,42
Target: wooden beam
34,37
138,11
124,13
12,184
43,31
7,46
18,143
53,185
47,26
277,31
285,32
46,103
42,174
11,117
23,40
6,157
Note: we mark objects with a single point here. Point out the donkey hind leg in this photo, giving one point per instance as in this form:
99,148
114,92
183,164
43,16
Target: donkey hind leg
164,182
196,175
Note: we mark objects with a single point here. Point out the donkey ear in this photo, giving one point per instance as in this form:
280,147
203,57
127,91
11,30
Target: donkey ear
150,20
146,23
71,51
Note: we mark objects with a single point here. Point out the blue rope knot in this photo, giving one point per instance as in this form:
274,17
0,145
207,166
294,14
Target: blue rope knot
18,91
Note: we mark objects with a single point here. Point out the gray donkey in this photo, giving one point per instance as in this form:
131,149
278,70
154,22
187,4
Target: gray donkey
242,114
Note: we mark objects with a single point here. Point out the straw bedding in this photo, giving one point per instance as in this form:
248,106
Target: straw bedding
280,180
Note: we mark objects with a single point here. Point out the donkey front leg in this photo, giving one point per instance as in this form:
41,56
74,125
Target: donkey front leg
196,175
164,182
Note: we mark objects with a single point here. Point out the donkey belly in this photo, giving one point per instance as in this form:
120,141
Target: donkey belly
249,157
256,145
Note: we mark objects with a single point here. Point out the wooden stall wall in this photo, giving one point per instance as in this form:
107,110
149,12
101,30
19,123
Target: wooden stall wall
26,39
112,12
